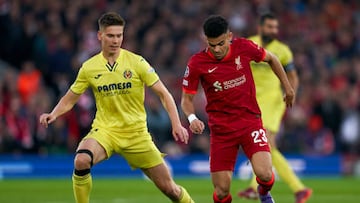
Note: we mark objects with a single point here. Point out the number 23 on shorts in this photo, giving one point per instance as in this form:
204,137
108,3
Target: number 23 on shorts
259,136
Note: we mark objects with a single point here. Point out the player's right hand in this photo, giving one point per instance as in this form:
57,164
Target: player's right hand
197,126
46,118
180,133
289,98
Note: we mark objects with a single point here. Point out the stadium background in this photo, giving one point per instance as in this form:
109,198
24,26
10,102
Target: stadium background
43,43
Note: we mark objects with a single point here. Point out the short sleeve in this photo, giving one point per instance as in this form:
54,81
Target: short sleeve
81,83
146,72
190,81
255,51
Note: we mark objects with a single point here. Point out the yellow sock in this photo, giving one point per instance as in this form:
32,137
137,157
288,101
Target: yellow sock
184,197
285,172
82,186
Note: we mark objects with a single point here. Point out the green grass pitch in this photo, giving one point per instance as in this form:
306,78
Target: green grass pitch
118,190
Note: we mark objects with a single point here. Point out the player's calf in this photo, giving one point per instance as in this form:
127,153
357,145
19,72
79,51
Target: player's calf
82,181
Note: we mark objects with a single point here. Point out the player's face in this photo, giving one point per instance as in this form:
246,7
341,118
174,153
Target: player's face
269,30
111,38
219,46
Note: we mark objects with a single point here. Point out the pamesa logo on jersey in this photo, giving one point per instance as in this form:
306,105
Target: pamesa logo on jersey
117,88
114,86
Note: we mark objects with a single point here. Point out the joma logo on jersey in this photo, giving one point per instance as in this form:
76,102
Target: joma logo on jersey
114,86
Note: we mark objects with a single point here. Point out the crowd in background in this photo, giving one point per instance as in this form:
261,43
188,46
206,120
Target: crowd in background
43,44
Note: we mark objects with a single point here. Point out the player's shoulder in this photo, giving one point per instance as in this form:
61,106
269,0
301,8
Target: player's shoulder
128,53
281,45
242,42
199,57
254,38
131,57
238,40
95,59
243,45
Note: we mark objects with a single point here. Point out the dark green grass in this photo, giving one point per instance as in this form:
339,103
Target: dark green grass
117,190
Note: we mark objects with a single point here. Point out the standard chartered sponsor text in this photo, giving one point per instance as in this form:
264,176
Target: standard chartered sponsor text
234,82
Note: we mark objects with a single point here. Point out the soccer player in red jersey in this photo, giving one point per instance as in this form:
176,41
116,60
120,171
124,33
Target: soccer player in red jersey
223,69
269,96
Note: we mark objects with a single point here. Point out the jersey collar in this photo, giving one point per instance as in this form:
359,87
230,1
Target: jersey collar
105,61
223,59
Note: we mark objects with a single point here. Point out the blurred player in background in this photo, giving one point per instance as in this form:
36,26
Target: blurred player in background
223,69
117,78
269,97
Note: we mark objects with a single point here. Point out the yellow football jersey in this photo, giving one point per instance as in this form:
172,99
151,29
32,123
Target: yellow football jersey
265,78
268,87
119,90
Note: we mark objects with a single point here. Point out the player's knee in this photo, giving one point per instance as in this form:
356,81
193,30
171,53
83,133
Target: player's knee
83,159
221,191
265,175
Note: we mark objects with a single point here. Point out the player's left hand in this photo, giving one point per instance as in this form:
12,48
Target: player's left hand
180,134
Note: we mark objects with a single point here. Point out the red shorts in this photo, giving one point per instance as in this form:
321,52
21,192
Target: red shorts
224,148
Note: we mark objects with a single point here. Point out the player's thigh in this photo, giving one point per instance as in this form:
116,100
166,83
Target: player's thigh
254,140
223,152
262,164
221,181
93,145
141,151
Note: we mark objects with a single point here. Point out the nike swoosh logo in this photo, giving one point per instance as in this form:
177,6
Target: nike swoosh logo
98,76
212,70
262,144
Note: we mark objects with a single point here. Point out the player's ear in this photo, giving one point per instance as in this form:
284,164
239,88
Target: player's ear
230,36
99,33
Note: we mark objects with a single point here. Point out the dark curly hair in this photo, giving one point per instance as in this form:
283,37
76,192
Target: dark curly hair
215,25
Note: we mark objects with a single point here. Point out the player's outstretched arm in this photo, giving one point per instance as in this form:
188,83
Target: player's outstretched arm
167,100
280,73
65,104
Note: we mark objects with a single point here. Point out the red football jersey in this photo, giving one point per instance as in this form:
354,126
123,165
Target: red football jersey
228,85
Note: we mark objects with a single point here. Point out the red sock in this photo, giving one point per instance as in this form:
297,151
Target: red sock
265,187
227,199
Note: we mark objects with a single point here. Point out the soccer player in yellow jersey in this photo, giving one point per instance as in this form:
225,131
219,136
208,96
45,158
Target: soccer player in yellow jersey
269,97
117,78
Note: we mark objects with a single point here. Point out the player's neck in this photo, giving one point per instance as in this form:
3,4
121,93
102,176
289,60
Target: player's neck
111,57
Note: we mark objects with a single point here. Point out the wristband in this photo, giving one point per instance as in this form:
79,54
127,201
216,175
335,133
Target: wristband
192,117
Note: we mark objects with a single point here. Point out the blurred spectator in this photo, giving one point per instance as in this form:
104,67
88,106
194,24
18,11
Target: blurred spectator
29,81
317,139
17,136
350,124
